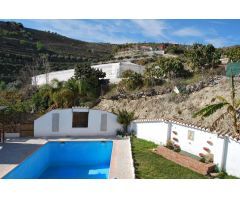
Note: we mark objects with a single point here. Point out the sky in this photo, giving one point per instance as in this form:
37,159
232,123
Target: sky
218,32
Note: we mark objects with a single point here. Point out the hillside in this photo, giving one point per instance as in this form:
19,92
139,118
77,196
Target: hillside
173,106
20,46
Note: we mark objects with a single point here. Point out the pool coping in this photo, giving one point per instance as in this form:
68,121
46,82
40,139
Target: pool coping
121,166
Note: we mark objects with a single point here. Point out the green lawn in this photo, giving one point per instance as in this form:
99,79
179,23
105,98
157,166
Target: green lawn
149,165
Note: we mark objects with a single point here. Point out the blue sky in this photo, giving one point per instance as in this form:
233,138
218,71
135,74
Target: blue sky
215,31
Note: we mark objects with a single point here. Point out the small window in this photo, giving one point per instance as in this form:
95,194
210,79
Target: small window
103,122
55,122
80,120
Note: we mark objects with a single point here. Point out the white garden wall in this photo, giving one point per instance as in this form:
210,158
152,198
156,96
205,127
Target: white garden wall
232,165
200,140
43,125
152,131
193,140
63,75
113,73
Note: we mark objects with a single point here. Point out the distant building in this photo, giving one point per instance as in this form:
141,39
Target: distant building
113,73
146,48
161,47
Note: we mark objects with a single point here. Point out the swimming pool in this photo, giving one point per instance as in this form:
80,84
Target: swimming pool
66,160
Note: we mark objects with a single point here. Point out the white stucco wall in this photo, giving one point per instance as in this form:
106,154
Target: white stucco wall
232,165
63,75
196,145
43,125
113,73
226,151
130,66
151,131
111,70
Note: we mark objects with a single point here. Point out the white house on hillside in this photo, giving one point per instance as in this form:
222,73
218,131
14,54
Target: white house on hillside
113,73
76,122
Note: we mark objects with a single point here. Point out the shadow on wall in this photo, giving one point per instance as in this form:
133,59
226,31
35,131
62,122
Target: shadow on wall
14,153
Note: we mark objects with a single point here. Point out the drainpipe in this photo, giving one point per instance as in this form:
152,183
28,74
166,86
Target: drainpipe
224,154
169,131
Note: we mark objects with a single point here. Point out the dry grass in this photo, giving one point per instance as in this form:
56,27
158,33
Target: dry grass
160,106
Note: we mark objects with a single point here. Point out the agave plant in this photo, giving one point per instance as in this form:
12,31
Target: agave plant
232,109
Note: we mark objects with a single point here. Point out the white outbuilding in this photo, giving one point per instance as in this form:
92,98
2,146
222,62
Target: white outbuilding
77,122
113,73
114,70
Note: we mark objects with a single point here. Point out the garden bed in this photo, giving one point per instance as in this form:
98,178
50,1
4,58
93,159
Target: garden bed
149,165
186,161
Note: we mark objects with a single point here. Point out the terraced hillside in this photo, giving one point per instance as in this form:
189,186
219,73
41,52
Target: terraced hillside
171,105
20,46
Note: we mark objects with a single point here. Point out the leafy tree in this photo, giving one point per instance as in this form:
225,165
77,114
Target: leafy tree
168,68
201,56
42,99
86,72
60,95
90,78
196,56
175,49
15,109
233,54
212,55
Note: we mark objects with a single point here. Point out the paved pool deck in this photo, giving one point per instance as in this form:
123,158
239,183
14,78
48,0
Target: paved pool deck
15,150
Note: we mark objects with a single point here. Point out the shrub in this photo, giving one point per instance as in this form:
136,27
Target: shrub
222,175
177,148
120,132
125,118
206,158
39,46
132,133
132,81
170,144
23,42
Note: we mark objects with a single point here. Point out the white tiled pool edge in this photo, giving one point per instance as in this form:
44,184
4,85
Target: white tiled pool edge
121,166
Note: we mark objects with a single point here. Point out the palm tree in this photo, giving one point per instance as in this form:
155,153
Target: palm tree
125,118
232,109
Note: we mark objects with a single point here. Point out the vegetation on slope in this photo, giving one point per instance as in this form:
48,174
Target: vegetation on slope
20,46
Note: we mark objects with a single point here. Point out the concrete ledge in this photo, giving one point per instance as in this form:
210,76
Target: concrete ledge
121,166
186,161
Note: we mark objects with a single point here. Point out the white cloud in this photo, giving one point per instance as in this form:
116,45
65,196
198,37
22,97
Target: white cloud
188,31
217,42
153,28
88,30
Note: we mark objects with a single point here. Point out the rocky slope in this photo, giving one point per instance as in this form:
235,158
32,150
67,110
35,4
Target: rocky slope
175,105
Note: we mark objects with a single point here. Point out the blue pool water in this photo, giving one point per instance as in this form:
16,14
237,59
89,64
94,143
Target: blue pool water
66,160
